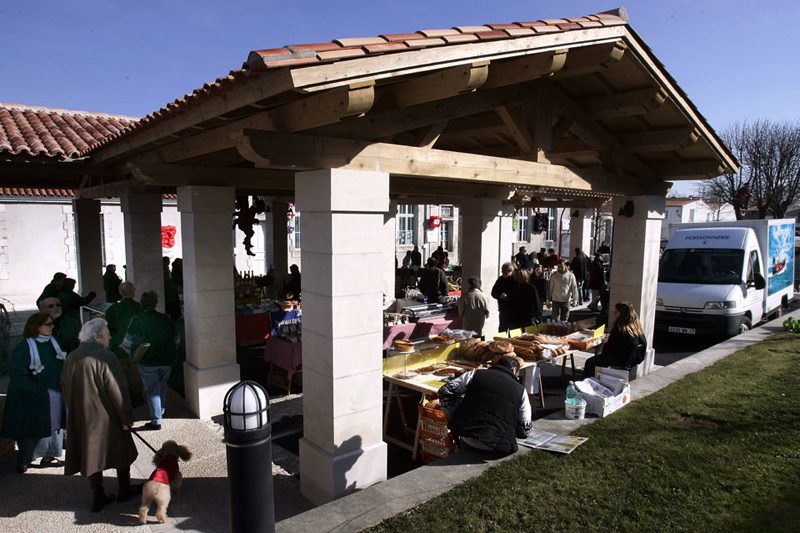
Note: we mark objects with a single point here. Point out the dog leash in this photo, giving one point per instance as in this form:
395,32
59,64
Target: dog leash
142,439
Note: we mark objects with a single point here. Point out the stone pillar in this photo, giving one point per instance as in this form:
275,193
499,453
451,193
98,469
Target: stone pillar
390,255
634,263
141,213
487,243
210,368
280,246
88,237
580,231
342,449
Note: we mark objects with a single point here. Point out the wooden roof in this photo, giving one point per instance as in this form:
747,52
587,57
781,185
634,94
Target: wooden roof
555,105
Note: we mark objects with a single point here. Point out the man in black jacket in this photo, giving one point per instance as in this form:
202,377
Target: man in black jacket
501,291
488,409
432,281
581,266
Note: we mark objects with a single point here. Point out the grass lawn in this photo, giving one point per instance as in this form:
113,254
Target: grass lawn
716,451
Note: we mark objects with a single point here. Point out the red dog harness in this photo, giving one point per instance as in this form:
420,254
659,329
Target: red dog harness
166,470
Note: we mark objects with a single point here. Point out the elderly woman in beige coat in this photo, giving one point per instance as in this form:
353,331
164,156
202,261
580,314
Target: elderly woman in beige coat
473,307
99,415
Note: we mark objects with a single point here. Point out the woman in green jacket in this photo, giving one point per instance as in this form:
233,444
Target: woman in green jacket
34,413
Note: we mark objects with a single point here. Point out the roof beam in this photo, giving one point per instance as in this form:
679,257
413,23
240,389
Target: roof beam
660,140
441,84
627,104
524,69
577,203
518,131
432,134
595,135
182,175
690,170
587,60
307,152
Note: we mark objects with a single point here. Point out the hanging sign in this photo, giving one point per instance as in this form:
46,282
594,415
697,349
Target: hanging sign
434,222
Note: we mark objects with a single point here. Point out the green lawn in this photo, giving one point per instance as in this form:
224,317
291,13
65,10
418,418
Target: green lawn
716,451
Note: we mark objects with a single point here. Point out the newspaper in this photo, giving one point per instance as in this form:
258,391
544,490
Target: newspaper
544,440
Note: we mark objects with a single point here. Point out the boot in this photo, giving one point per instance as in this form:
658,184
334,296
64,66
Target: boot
99,497
126,490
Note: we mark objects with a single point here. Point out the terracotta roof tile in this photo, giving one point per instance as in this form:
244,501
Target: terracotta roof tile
359,41
391,37
290,62
343,53
519,32
384,47
422,43
491,35
42,131
438,33
503,26
569,26
590,24
460,38
316,47
472,29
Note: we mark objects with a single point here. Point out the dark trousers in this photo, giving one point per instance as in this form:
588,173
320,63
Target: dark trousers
123,481
505,318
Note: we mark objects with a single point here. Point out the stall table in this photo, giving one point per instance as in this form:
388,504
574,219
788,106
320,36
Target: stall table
286,355
423,328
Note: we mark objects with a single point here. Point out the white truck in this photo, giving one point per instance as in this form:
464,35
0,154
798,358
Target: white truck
717,279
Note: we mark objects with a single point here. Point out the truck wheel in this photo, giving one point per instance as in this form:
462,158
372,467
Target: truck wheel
744,327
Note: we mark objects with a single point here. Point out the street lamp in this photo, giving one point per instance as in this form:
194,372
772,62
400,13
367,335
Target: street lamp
248,440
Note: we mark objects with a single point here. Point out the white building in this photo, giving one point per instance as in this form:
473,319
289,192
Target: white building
686,210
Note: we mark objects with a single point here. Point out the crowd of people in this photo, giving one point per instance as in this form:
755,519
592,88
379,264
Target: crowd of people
81,382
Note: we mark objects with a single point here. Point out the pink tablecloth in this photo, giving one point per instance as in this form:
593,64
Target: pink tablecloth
284,354
251,329
424,328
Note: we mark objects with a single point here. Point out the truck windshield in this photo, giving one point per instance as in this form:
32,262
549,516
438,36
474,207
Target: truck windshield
701,265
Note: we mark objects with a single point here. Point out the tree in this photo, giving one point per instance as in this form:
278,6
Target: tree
770,174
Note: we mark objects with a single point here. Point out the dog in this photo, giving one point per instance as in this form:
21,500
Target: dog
164,480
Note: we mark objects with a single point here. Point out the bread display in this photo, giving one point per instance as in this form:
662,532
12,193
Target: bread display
442,339
501,347
403,346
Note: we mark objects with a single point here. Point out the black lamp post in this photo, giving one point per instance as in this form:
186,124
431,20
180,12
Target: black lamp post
248,440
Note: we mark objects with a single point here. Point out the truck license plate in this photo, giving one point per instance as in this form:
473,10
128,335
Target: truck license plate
675,329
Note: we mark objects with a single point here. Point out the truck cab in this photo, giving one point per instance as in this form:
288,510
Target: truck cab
710,282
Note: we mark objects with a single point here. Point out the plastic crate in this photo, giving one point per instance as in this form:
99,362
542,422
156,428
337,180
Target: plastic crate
433,427
435,450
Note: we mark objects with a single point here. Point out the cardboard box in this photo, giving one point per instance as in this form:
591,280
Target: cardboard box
600,406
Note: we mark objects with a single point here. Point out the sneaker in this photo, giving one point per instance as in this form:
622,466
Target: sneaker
150,426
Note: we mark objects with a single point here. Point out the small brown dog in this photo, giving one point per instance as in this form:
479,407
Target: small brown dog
164,480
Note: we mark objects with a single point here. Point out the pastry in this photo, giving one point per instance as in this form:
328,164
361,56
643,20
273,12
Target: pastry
501,347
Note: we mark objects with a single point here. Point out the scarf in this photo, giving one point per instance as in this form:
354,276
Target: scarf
36,365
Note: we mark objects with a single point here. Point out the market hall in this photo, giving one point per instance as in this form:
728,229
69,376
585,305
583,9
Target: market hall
562,112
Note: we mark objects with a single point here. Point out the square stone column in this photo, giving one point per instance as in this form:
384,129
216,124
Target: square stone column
141,213
280,246
390,256
487,244
634,263
208,298
342,449
88,242
580,231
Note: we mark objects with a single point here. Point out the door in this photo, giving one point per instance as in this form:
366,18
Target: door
754,299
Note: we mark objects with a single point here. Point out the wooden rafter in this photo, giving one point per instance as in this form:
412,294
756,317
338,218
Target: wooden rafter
441,84
630,103
659,140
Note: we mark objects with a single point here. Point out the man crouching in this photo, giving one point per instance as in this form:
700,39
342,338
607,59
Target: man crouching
488,409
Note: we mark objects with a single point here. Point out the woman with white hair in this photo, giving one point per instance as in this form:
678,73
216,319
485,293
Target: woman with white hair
100,415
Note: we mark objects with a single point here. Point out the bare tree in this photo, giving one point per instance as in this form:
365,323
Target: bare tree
770,175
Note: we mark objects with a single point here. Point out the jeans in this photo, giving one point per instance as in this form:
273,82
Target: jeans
154,382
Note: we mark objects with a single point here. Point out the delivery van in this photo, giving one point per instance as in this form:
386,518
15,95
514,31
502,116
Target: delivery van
717,279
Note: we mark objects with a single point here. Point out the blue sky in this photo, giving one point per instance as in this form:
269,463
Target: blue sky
736,59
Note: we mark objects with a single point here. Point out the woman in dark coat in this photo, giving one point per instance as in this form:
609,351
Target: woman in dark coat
540,283
524,303
111,284
99,415
626,345
34,412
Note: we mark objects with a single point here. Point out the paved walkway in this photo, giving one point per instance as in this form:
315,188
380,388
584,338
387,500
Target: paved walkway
44,500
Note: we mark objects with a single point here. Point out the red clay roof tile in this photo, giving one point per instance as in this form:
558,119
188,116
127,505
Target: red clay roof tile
460,38
359,41
569,26
519,32
438,33
472,29
391,37
315,47
290,62
422,43
41,131
340,54
491,35
384,47
502,26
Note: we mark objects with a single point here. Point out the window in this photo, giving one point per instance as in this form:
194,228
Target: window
447,211
447,234
296,234
691,215
523,226
405,225
552,226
